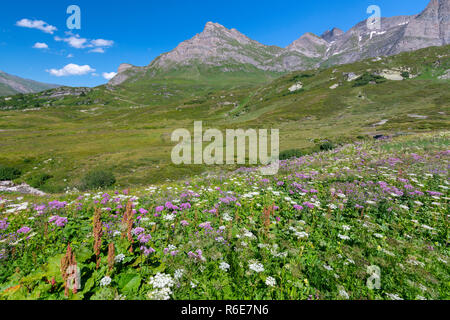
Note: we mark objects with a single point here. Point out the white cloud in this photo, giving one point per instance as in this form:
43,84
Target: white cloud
102,43
97,50
74,41
36,24
70,55
40,45
109,76
71,70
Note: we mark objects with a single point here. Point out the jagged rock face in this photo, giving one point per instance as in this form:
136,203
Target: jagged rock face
360,42
430,28
332,35
397,34
221,47
125,72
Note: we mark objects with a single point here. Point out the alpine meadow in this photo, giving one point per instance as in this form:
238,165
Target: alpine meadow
225,169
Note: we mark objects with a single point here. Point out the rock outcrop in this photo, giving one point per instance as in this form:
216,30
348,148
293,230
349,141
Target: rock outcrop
9,186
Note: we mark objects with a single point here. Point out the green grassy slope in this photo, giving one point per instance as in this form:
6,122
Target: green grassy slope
127,128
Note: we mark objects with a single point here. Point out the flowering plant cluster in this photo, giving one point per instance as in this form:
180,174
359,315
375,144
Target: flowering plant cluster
311,232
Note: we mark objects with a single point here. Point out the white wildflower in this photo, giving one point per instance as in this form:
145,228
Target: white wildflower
393,296
343,237
119,258
160,294
105,281
271,282
224,266
161,280
169,217
256,266
178,274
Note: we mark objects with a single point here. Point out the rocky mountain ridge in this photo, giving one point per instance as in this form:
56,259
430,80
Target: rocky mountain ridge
231,50
10,85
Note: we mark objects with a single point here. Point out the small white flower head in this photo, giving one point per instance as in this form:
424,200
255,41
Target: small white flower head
227,217
105,281
169,217
343,294
256,266
394,296
178,274
301,234
271,282
224,266
378,235
119,258
327,267
343,237
160,294
248,234
161,280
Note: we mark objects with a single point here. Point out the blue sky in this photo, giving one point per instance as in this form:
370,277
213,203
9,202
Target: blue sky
137,31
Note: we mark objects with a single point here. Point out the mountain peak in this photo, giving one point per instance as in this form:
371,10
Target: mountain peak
332,35
309,45
214,31
213,26
123,67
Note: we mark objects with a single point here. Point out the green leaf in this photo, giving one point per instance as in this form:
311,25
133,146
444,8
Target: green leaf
129,282
89,284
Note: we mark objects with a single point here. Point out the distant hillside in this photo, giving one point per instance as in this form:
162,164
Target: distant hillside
10,85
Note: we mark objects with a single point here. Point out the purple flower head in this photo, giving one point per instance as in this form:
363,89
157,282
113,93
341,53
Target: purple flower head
4,224
184,223
24,230
56,204
146,251
309,205
206,225
185,206
137,231
144,238
143,211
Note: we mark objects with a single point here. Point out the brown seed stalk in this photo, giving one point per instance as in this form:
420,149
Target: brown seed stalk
111,255
98,233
